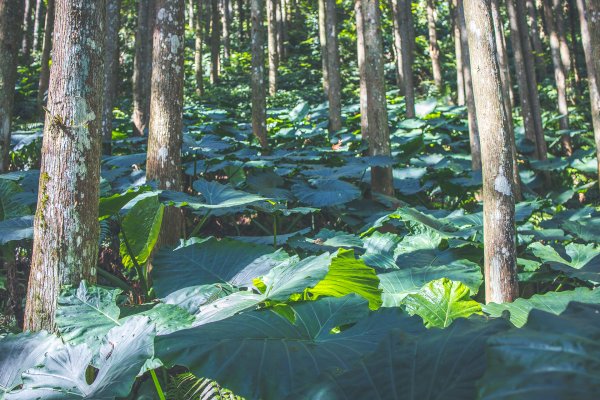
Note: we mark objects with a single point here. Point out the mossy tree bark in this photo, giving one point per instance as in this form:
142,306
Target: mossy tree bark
499,229
65,241
259,102
166,110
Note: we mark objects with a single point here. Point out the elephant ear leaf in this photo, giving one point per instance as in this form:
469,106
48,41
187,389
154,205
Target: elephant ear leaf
62,375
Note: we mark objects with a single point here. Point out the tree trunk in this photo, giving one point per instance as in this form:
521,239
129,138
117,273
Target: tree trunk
166,110
434,49
259,102
533,33
45,59
574,44
377,132
272,45
226,24
198,72
11,16
66,231
215,43
323,45
470,99
190,14
565,53
499,230
142,66
402,21
526,77
506,90
111,71
560,75
333,60
279,18
37,21
241,19
27,29
589,19
362,69
460,81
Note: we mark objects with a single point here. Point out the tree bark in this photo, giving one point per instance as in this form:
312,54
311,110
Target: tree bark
66,231
241,20
402,21
27,29
226,24
333,65
469,96
45,59
560,75
111,71
460,81
589,19
533,33
166,110
565,53
198,71
272,45
11,16
215,43
323,45
499,230
526,77
377,132
142,66
37,30
259,102
434,48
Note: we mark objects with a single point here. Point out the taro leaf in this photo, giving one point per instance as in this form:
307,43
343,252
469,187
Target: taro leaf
261,354
86,314
583,260
9,206
587,229
427,250
279,240
212,261
380,248
325,193
436,364
218,196
16,229
168,318
348,275
110,206
299,112
193,297
62,376
551,302
140,230
440,302
396,285
21,352
551,357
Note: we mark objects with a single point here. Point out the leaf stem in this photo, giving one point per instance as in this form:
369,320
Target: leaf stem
159,390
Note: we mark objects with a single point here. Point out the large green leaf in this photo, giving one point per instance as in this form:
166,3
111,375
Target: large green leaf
18,228
348,275
551,357
21,352
9,206
580,261
437,364
551,302
260,354
325,193
212,261
110,206
396,285
441,302
62,376
380,248
217,196
140,230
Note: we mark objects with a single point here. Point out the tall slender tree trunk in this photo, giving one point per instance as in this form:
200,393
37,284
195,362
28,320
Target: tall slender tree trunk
560,75
66,231
142,66
215,42
460,81
280,40
526,77
111,71
574,43
499,230
362,69
589,19
272,45
506,90
166,110
533,33
190,14
37,24
198,71
434,48
226,24
559,16
469,95
333,65
323,45
402,21
45,59
29,12
259,102
377,132
11,16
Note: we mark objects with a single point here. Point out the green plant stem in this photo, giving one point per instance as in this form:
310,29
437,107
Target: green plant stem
114,280
138,269
261,226
294,222
159,390
275,230
199,226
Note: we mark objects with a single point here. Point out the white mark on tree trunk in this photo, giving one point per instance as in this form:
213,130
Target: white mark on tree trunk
163,154
502,185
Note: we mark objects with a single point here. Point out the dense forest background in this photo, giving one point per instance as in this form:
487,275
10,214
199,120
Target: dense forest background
324,199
